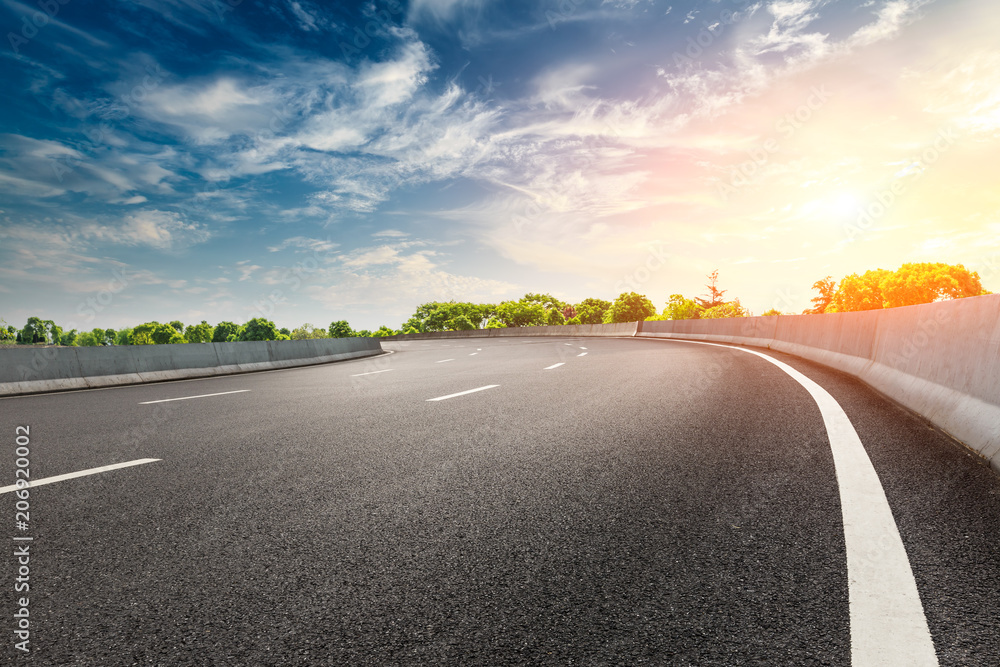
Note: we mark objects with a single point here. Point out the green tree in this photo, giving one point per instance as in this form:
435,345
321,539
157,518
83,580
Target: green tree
33,331
591,311
363,333
436,315
143,334
285,332
199,333
177,338
680,308
460,323
102,337
87,339
152,333
223,330
384,331
546,300
69,338
630,307
554,317
714,296
259,328
413,325
162,333
771,313
341,329
53,332
307,332
124,336
520,314
178,326
725,309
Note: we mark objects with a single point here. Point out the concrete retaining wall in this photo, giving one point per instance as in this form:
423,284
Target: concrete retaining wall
941,360
28,370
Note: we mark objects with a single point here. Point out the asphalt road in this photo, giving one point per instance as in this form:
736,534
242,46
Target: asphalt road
649,502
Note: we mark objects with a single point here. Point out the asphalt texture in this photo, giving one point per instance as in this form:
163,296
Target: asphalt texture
649,503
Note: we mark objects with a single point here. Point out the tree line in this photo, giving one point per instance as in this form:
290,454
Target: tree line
879,288
46,332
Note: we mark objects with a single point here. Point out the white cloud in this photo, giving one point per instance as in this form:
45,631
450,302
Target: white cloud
306,20
15,185
391,82
305,243
890,20
442,10
394,279
165,230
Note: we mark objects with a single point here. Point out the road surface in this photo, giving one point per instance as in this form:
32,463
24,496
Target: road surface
592,502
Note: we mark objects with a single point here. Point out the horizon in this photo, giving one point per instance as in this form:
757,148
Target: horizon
360,161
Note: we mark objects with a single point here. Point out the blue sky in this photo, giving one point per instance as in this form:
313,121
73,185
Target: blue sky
225,159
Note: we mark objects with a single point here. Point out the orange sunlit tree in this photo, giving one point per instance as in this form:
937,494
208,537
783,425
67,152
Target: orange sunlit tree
907,286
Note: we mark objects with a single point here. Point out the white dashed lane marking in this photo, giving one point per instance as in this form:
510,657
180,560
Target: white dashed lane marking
463,393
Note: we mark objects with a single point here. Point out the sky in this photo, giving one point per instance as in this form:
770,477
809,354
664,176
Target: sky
311,162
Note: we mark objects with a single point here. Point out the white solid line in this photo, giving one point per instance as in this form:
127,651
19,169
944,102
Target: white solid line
583,348
83,473
463,393
582,354
443,360
184,398
568,344
373,372
888,625
549,368
472,354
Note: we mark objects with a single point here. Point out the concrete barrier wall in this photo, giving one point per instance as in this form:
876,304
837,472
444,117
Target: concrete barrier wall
26,370
941,360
